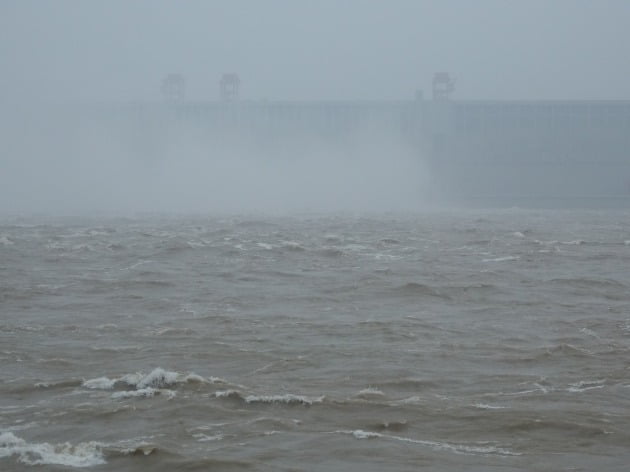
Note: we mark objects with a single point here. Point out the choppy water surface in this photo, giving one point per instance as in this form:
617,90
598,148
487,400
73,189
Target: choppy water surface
455,341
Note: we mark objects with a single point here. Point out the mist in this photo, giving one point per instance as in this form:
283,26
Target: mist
124,166
65,62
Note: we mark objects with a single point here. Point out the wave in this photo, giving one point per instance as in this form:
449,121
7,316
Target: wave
502,259
448,292
485,406
293,246
6,241
370,393
80,455
287,398
157,382
589,283
84,454
332,252
586,385
411,384
557,426
481,449
545,353
415,289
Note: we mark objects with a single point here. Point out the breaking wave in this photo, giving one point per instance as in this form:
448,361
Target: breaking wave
85,454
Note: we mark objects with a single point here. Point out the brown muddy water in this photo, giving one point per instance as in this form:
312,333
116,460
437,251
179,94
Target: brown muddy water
478,340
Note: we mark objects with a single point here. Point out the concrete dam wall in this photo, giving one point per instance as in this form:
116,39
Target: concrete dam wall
510,152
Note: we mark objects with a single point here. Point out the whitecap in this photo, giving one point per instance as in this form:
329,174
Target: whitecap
144,392
85,454
483,448
586,385
192,377
370,392
484,406
158,378
288,398
100,383
227,394
502,259
590,332
360,434
205,438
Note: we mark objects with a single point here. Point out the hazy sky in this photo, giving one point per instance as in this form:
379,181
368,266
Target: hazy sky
303,49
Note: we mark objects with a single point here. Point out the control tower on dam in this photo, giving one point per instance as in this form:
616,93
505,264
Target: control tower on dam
509,152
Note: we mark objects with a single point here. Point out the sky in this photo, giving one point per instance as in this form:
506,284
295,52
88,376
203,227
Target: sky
119,50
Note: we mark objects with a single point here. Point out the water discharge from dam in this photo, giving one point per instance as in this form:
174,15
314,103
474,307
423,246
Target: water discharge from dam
119,165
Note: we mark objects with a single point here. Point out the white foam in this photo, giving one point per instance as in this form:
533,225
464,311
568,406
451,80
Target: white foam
539,389
100,383
370,392
84,454
502,259
205,438
388,257
287,398
226,393
455,448
158,379
360,434
518,234
590,332
266,246
484,406
192,377
586,385
143,392
542,388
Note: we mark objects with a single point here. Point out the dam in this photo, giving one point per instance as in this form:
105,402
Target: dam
551,152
